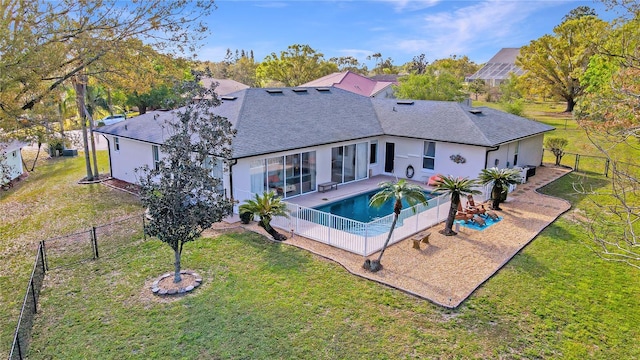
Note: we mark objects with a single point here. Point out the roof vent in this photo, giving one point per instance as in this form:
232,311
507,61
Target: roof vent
274,91
230,98
299,90
405,102
475,111
324,89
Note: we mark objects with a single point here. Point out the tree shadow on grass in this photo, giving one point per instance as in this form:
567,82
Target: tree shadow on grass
276,255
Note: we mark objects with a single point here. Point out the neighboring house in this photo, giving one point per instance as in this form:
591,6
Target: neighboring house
12,160
292,139
224,86
499,67
355,83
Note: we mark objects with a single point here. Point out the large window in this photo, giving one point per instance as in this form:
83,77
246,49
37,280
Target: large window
287,175
156,157
349,162
515,154
429,156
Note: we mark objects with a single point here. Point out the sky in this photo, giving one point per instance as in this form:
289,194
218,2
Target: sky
398,29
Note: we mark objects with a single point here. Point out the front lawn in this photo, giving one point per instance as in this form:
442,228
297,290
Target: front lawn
264,300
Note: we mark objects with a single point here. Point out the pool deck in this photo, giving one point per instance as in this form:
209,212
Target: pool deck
450,268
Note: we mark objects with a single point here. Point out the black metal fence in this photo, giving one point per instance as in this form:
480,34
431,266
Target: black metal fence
589,164
65,251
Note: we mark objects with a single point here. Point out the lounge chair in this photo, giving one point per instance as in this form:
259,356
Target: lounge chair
472,208
478,220
463,215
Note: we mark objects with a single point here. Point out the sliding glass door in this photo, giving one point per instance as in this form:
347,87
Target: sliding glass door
349,162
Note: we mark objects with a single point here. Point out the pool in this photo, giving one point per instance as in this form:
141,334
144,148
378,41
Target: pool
357,207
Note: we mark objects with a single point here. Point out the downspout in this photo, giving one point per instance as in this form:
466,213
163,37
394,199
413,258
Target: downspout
231,164
486,156
109,149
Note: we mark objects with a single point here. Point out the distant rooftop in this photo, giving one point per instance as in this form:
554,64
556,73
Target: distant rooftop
498,68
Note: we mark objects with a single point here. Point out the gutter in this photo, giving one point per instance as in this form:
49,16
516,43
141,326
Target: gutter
486,156
109,152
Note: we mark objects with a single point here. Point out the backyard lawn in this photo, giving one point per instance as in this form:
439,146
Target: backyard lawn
265,300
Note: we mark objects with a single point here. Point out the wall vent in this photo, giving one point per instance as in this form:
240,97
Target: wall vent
299,90
274,91
324,89
229,98
405,102
475,111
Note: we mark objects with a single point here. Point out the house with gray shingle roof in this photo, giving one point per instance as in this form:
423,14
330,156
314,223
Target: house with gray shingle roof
293,139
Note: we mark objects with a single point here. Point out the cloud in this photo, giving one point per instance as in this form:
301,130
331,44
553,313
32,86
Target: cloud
463,28
412,5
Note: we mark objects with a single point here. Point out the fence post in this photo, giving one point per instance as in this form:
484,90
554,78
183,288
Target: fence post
575,167
19,349
606,168
94,240
45,267
33,295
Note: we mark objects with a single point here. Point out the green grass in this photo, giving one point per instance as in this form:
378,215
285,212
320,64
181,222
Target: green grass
263,300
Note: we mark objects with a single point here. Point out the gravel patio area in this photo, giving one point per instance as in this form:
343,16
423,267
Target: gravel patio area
449,269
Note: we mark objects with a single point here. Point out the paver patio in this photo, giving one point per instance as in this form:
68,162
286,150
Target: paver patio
449,269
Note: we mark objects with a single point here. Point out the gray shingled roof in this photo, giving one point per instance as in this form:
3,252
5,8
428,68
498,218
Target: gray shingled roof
272,120
453,122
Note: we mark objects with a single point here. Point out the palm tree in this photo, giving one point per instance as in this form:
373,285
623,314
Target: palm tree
456,187
502,179
266,207
412,194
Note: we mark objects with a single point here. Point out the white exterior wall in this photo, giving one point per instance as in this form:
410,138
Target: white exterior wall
132,155
14,162
410,152
529,153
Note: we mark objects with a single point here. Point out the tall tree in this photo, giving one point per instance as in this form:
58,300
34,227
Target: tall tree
456,187
297,65
558,61
383,66
46,43
181,195
610,115
441,86
396,192
349,63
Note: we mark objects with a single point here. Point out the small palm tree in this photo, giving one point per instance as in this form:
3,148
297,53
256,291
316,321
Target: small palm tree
456,187
502,179
412,194
266,207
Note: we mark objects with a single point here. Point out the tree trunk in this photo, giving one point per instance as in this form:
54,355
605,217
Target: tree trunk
571,103
80,89
496,195
93,148
453,210
176,276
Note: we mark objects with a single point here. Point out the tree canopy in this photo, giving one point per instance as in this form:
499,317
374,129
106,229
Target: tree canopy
297,65
44,44
556,62
610,115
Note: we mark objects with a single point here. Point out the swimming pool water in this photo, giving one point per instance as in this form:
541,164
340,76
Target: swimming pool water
357,207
